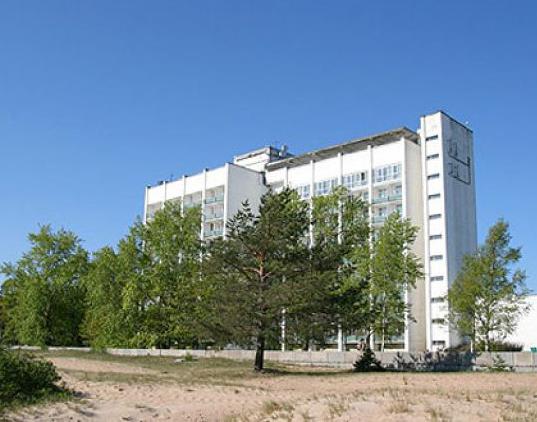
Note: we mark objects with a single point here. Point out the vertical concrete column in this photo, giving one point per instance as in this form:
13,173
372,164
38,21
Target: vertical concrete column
183,195
426,262
226,197
145,203
312,187
203,193
370,178
340,334
404,214
283,333
340,342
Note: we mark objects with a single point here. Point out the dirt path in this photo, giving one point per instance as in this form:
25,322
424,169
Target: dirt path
145,394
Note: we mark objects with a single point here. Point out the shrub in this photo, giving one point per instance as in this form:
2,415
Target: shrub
25,379
367,362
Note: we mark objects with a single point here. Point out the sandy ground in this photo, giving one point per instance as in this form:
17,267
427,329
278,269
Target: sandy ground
117,391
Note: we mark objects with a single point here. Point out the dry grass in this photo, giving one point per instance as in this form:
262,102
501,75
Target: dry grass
153,388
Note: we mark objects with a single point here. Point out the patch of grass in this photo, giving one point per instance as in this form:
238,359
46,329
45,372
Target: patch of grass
26,380
282,409
399,406
437,415
337,408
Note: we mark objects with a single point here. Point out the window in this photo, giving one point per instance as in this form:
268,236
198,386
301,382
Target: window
391,172
431,138
351,181
152,210
437,300
433,176
399,209
439,342
382,212
437,278
438,321
398,190
276,186
325,187
303,191
432,156
436,257
383,193
435,236
434,196
435,216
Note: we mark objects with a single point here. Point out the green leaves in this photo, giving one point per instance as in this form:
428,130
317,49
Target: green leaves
43,293
485,300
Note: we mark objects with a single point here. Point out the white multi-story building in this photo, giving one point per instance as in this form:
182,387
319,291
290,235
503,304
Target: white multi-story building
427,175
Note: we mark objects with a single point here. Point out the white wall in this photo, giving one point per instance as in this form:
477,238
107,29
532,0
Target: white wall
526,332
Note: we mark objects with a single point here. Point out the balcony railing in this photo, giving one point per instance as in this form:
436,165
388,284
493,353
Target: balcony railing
379,219
187,205
213,199
214,233
388,198
214,216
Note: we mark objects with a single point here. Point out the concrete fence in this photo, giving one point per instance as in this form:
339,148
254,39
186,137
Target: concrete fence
439,361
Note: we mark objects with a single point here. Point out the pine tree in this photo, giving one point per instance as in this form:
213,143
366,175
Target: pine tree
257,272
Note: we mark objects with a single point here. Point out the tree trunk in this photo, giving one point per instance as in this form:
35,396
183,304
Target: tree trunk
382,341
260,353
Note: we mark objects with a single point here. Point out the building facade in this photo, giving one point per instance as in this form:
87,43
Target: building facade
427,175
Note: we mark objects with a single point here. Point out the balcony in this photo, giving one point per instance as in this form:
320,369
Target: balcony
214,199
213,233
388,198
214,215
379,219
191,205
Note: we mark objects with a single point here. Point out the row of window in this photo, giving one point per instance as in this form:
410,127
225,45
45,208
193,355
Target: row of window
325,187
354,180
390,172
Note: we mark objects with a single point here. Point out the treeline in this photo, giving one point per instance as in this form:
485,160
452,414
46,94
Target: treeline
285,273
312,270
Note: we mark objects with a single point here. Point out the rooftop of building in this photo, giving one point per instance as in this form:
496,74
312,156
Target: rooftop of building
347,147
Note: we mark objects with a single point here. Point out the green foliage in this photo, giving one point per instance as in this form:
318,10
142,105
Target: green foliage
378,273
485,299
257,272
144,295
42,293
367,362
394,269
499,365
24,379
3,318
103,324
340,229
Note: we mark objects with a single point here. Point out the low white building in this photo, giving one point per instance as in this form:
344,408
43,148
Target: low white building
427,175
526,331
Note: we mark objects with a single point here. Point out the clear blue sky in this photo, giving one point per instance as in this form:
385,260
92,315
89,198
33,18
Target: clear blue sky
100,98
